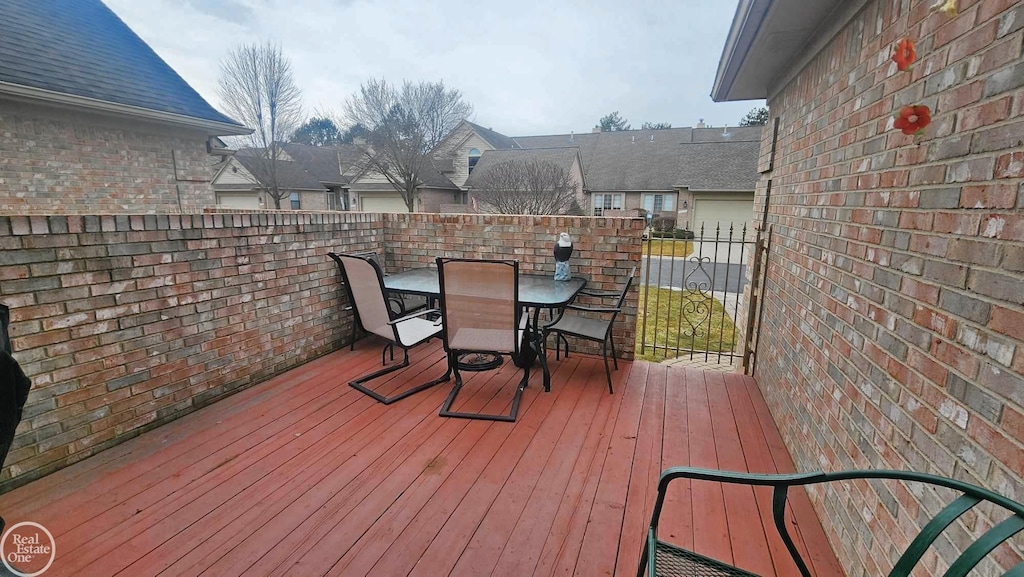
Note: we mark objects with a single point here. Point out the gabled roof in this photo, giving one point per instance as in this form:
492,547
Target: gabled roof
430,176
716,166
562,157
329,164
495,139
642,160
290,174
78,52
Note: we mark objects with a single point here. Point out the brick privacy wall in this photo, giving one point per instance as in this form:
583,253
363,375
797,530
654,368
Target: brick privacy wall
63,162
893,329
604,251
125,322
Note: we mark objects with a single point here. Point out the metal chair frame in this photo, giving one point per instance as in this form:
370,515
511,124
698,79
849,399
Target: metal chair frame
453,354
971,495
396,339
606,339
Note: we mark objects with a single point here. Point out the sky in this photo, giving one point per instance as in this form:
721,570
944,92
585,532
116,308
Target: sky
527,66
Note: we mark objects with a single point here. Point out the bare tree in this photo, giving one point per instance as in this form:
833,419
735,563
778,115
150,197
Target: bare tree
258,89
527,187
403,125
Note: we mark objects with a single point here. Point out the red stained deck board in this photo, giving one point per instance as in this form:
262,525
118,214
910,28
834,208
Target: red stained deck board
749,542
710,528
414,537
302,475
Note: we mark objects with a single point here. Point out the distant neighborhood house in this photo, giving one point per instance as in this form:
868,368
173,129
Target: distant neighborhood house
685,175
93,121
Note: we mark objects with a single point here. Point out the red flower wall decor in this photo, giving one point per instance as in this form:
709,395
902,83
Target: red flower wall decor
913,119
904,55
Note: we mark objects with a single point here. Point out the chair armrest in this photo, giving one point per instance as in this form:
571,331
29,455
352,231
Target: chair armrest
737,477
780,483
597,293
414,315
594,309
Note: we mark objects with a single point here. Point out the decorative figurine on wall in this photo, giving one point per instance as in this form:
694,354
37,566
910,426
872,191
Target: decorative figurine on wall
563,250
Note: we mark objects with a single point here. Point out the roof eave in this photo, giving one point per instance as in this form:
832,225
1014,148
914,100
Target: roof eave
745,24
211,127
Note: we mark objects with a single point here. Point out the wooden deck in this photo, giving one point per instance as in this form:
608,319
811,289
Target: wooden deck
302,475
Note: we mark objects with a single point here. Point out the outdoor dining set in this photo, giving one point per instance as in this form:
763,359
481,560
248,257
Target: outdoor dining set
482,310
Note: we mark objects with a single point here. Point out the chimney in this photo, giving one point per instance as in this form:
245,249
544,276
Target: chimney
634,138
700,123
652,138
572,135
596,129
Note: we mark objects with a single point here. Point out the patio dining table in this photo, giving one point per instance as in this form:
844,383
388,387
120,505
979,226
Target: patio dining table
535,291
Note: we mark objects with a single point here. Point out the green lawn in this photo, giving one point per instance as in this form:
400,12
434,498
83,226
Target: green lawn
668,312
668,247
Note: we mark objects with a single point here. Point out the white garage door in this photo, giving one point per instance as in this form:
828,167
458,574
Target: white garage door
718,212
243,200
382,204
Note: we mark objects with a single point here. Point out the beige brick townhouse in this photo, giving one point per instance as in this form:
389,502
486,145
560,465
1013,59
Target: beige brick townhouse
92,120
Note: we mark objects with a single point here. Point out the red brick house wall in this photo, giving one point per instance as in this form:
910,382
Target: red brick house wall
126,322
55,161
893,325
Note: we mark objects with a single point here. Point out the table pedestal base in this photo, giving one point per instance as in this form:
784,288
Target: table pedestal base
479,361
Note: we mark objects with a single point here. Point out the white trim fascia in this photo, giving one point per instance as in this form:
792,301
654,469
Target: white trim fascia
212,127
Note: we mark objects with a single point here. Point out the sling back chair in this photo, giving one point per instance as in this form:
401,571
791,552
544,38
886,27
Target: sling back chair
663,559
481,313
365,284
401,305
594,325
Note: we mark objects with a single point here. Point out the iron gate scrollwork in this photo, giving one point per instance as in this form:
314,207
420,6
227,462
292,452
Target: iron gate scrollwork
691,301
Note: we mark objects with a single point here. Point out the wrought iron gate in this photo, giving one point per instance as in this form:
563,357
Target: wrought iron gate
691,298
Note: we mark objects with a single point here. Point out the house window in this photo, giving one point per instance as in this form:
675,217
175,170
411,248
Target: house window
474,157
336,200
656,203
295,201
603,202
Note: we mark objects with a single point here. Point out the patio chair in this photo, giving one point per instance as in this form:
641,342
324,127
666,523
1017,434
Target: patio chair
664,559
481,314
365,285
399,304
588,327
403,303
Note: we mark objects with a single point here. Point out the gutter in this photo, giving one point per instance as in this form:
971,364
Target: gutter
745,25
211,127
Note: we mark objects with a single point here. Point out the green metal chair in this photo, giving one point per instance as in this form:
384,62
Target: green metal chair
664,559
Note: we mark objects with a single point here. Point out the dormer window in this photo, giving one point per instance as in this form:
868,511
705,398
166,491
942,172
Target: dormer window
474,157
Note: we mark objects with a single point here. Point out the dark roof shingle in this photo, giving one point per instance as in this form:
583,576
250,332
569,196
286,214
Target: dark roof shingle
719,166
329,164
290,174
495,139
81,48
641,160
561,157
